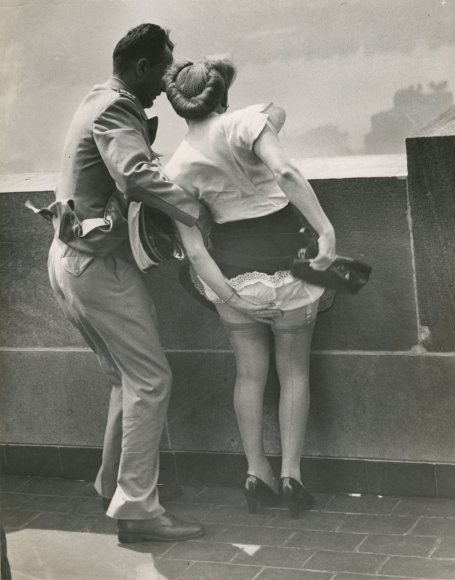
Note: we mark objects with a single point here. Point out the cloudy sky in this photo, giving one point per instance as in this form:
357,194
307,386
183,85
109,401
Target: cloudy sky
325,61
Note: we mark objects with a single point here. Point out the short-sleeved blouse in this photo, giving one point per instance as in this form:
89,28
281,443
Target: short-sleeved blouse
216,163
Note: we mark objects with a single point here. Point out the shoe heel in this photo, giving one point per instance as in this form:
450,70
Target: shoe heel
128,538
252,504
293,507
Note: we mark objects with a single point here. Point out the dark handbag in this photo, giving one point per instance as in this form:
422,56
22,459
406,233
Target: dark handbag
153,236
344,274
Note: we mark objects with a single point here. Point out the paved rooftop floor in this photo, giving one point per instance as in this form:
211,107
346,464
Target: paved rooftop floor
57,530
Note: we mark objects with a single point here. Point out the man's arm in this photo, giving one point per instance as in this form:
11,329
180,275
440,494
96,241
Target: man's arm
120,141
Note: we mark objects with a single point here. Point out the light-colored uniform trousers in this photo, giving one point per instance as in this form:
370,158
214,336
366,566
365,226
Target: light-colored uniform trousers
107,301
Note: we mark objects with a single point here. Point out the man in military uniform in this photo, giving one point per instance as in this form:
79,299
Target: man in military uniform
108,150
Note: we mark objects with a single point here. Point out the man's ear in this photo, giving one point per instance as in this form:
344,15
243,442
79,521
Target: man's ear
141,67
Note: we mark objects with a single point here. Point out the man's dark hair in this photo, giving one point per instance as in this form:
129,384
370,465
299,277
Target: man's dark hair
144,41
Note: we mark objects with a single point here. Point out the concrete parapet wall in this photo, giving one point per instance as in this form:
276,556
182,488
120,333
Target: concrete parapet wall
377,392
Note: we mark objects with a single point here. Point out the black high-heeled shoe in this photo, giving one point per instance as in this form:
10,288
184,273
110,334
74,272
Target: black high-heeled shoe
295,496
256,491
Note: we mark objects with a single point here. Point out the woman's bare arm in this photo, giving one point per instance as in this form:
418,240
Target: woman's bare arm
299,192
277,116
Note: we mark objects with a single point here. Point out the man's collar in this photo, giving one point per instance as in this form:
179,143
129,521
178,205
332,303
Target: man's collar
118,84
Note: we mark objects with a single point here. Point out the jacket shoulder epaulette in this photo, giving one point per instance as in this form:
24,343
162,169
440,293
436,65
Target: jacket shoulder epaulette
126,95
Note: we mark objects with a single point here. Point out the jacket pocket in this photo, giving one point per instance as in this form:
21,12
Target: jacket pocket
76,265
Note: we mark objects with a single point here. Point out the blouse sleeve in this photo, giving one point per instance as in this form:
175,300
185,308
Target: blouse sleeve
244,127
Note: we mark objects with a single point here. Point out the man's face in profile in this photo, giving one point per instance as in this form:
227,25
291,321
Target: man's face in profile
154,78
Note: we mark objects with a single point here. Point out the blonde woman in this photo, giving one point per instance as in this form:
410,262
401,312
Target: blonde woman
235,165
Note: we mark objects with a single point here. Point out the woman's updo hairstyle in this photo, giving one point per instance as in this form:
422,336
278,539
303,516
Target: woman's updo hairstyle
196,89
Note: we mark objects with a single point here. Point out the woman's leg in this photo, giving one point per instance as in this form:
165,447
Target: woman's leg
250,341
293,335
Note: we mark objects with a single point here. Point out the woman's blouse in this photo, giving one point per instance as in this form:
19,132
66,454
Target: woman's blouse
216,163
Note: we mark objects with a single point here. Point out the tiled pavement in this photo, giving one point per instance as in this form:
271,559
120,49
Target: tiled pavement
56,530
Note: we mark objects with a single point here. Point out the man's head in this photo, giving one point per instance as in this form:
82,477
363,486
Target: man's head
141,58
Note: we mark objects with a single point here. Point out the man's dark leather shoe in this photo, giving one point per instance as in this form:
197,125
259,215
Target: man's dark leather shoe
164,528
166,491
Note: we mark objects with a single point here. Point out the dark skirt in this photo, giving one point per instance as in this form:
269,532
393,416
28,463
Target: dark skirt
271,236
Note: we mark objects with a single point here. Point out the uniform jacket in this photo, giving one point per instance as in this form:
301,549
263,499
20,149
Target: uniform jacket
108,148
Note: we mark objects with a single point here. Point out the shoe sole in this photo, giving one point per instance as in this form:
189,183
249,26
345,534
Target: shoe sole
125,538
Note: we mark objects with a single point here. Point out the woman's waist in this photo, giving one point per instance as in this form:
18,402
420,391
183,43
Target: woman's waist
266,246
232,206
254,222
275,234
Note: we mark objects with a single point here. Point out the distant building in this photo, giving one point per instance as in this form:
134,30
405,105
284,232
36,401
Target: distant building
412,109
325,141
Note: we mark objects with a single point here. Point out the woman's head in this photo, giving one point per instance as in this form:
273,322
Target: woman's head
196,89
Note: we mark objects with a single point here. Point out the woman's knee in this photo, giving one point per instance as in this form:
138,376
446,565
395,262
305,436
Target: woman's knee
257,375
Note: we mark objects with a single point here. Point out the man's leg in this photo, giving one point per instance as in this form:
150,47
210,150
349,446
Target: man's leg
129,331
111,300
106,481
110,297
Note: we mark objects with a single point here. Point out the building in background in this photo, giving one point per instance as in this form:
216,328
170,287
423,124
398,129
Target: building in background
333,66
412,109
325,141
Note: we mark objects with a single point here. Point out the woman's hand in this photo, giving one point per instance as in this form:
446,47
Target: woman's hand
326,255
209,272
260,311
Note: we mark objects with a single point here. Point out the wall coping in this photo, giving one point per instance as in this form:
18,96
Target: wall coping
354,166
28,182
360,166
